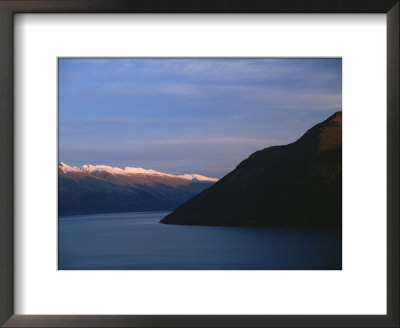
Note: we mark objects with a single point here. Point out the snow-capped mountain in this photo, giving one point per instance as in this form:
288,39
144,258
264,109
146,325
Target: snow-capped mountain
130,171
105,189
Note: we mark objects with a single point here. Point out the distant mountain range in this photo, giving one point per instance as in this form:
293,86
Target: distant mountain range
297,185
105,189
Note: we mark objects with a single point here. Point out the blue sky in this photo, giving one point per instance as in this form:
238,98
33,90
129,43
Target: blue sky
189,115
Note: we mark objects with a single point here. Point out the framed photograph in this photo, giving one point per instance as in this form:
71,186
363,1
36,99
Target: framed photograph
203,164
179,181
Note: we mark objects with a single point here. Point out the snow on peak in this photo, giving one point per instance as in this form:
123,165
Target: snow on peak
66,168
197,177
102,168
116,170
89,168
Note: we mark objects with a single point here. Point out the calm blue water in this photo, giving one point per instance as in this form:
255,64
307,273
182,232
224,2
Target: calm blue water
136,241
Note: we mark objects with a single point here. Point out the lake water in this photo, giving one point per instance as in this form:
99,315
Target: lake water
136,241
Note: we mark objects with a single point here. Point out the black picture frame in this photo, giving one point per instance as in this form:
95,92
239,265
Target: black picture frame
10,7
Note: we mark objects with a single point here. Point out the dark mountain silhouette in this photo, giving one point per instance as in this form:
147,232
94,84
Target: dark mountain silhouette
104,191
297,185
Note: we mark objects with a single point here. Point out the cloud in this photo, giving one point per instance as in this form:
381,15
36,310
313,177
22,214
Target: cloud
97,61
228,69
306,84
127,88
270,96
212,141
129,121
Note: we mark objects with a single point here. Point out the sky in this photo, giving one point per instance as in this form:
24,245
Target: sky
189,115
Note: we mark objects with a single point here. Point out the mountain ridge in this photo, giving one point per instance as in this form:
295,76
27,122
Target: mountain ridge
128,170
298,184
99,189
